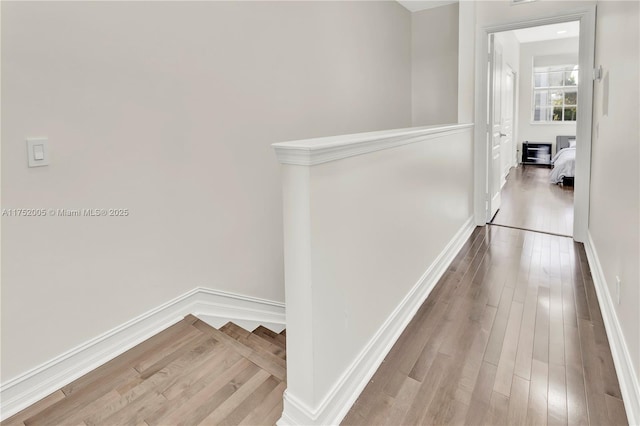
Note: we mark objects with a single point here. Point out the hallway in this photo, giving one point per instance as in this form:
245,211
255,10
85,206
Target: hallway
530,202
511,334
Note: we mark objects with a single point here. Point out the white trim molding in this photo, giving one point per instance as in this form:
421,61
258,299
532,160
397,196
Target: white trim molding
209,305
344,393
309,152
627,377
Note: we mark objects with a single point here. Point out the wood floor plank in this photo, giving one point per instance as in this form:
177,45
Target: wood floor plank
568,300
193,349
56,413
271,336
426,393
518,402
481,397
132,356
269,362
524,354
592,375
434,326
615,410
272,402
251,402
538,393
556,333
234,331
255,341
101,408
506,364
430,349
402,401
46,402
135,412
237,398
168,350
199,405
498,409
577,413
541,333
201,372
557,396
473,361
443,408
607,368
156,383
272,416
496,339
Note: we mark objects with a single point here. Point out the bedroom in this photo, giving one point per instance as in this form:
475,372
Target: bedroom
535,88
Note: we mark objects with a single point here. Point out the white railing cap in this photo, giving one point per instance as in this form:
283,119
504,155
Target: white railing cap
308,152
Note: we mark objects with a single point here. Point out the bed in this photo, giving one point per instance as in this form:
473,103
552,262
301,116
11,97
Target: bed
564,162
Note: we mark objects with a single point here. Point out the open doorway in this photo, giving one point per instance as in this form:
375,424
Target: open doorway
533,102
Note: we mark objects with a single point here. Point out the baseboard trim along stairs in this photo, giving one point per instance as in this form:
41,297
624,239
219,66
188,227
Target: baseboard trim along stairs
213,307
625,371
344,393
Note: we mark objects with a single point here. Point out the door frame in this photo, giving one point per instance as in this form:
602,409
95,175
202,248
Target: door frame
493,120
587,18
514,129
514,120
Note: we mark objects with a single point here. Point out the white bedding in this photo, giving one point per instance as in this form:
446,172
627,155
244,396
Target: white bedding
564,165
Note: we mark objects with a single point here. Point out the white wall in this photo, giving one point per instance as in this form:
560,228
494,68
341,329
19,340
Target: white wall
364,237
169,109
559,52
434,47
466,60
614,214
379,221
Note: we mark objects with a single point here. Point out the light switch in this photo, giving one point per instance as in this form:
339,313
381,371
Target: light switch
38,152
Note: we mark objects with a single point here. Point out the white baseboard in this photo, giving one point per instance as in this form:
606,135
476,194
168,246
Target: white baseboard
210,305
622,360
344,393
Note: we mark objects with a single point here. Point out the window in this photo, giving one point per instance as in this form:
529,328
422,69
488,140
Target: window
555,93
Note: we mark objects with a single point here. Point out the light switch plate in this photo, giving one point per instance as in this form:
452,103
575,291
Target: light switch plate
38,152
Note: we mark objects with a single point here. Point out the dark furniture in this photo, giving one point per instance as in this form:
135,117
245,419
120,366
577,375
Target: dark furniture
536,153
561,143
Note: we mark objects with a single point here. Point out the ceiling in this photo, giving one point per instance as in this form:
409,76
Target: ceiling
548,32
417,5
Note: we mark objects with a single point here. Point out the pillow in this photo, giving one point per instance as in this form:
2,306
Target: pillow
572,143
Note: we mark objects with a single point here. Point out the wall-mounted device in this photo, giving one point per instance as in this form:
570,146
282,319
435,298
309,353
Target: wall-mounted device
597,73
38,152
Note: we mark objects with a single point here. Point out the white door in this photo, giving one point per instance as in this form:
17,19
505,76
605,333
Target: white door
507,120
495,168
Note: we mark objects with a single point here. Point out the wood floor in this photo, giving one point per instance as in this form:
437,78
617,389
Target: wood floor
188,374
511,335
530,201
